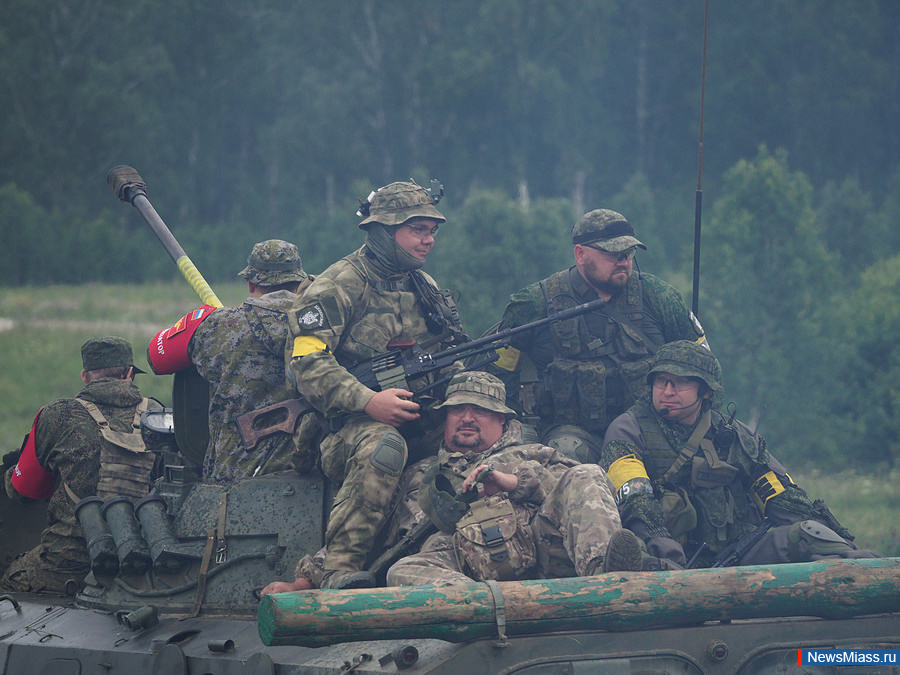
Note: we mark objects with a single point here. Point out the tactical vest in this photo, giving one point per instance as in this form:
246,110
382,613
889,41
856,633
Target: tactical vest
125,462
702,477
601,359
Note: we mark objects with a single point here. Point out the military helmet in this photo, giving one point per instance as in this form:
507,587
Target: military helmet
477,388
605,229
398,202
273,262
687,359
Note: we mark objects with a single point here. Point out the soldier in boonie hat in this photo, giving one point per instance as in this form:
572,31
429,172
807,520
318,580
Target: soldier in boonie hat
107,352
398,202
272,263
606,230
477,388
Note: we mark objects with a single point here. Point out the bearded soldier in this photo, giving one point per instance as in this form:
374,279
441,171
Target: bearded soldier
361,306
692,483
571,378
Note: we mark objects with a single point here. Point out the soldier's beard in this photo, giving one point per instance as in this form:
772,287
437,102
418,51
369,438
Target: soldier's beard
460,442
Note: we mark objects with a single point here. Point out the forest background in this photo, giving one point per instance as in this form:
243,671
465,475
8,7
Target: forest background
271,118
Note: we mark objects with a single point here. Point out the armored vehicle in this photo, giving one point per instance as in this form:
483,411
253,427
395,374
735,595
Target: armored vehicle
175,581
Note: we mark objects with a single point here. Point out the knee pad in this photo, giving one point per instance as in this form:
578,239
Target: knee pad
389,455
810,537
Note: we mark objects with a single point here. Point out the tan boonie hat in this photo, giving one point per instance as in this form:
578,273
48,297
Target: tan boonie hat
477,388
107,352
273,262
605,229
396,203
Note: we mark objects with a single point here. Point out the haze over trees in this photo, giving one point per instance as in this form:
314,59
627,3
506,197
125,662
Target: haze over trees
271,118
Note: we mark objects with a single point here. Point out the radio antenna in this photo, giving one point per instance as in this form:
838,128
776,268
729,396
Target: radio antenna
698,199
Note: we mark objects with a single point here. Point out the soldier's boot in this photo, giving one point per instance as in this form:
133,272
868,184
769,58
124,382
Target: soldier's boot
343,579
623,552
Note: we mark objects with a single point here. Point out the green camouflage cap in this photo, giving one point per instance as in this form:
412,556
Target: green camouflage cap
273,262
477,388
605,229
687,359
396,203
107,352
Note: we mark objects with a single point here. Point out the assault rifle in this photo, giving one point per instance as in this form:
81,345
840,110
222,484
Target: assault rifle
403,362
732,554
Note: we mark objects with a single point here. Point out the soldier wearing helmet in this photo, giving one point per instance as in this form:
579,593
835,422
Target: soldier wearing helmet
691,482
570,379
354,310
240,351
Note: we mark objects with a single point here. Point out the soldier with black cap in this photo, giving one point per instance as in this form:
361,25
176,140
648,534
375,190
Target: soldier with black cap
358,308
60,460
240,351
698,486
569,379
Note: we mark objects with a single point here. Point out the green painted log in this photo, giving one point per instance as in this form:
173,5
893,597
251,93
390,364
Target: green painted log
617,601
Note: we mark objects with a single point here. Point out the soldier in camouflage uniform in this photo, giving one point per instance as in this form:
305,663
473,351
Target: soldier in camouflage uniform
571,378
690,481
535,514
60,459
353,311
240,351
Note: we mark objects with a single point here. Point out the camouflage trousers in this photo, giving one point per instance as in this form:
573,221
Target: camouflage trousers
354,457
570,531
43,570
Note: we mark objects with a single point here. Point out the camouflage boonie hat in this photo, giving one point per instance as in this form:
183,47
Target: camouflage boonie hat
687,359
273,262
477,388
396,203
107,352
605,229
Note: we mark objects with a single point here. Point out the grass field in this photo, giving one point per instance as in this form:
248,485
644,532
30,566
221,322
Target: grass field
42,330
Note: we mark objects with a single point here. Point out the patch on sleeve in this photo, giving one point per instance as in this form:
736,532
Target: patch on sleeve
311,318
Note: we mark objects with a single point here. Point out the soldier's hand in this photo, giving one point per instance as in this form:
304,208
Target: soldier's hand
489,481
393,406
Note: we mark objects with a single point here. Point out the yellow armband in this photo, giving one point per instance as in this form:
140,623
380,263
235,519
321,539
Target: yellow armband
307,344
625,469
509,358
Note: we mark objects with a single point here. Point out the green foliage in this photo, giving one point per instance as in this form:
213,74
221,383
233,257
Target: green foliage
495,245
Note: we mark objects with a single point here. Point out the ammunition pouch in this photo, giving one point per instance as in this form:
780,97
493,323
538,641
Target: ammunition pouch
681,516
492,543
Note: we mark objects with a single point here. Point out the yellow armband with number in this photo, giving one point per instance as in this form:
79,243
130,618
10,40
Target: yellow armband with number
307,344
625,469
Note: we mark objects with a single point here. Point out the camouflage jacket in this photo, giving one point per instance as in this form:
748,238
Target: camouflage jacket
68,442
538,468
590,368
719,489
356,310
240,352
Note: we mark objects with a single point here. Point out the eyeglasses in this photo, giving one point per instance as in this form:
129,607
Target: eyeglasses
618,256
678,383
422,231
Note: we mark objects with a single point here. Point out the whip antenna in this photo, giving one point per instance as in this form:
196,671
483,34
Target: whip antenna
698,200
